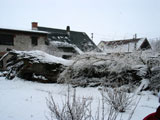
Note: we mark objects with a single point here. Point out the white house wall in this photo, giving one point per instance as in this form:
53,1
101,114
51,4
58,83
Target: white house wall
119,48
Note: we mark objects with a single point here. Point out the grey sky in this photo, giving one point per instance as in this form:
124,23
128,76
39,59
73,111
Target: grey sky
107,19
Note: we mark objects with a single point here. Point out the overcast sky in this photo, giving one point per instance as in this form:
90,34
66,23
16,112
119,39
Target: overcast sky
107,19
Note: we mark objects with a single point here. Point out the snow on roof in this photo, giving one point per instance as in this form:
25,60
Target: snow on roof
40,56
65,44
61,44
23,30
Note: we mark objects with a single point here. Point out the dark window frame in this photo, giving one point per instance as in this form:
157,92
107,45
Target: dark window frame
6,39
34,40
66,56
68,49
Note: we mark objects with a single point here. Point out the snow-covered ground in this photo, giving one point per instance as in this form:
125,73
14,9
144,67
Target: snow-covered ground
25,100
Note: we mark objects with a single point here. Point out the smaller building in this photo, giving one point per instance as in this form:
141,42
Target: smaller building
128,45
63,49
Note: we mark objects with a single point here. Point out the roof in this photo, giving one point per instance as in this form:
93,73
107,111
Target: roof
128,45
23,31
80,39
120,42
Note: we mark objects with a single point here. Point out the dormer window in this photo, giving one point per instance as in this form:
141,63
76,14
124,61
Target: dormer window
34,40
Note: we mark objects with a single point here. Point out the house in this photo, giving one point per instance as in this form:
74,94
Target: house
78,39
21,40
128,45
58,42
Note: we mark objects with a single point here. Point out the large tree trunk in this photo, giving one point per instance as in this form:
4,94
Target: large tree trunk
30,67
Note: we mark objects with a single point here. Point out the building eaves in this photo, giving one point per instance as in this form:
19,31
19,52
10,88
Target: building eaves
23,31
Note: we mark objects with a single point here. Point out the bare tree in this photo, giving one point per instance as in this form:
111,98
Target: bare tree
79,109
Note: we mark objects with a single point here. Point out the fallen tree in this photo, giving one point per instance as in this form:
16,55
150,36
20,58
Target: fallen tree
35,66
112,70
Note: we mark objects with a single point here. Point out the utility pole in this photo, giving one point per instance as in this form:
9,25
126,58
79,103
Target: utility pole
135,38
92,36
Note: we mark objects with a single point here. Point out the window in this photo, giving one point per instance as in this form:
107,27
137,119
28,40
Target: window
66,56
6,39
34,41
67,49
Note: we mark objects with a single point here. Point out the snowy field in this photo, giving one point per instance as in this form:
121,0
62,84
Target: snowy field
25,100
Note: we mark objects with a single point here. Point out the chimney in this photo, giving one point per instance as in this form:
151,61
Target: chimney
92,36
34,25
68,31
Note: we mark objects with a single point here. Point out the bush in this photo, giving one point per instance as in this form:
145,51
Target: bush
75,109
118,99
